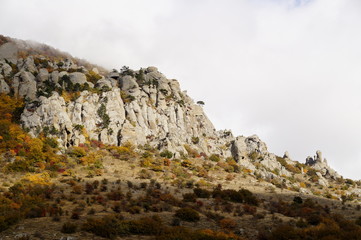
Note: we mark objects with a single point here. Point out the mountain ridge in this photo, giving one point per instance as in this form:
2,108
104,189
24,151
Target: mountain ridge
143,107
71,134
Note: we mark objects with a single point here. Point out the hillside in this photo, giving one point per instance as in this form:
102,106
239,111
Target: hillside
89,148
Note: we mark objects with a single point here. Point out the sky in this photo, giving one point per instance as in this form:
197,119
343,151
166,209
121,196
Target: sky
286,70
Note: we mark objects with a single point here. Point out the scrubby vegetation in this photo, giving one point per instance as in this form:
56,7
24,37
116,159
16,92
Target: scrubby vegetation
314,222
49,187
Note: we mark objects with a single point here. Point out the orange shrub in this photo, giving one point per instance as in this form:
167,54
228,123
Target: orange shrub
228,224
249,209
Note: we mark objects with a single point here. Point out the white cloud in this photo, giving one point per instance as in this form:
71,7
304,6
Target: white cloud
287,70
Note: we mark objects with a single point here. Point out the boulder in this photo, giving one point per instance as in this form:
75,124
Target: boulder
6,68
323,182
255,144
4,87
114,74
242,147
319,156
128,83
151,69
54,76
43,75
9,51
304,191
24,85
27,65
78,77
68,63
95,70
101,83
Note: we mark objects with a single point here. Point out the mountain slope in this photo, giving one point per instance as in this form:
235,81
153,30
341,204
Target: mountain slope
67,120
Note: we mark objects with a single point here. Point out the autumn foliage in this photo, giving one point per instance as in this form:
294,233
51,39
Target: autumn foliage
23,152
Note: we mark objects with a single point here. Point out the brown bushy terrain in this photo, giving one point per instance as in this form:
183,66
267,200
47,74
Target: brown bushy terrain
92,190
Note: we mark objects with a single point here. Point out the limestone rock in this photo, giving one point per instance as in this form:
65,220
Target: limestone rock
54,76
114,75
128,83
5,68
354,191
43,75
304,191
4,87
104,83
323,182
50,112
244,146
78,77
321,165
27,65
95,70
9,51
24,85
319,156
152,69
68,64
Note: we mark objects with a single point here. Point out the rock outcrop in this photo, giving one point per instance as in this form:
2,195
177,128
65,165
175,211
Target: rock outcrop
141,107
155,112
77,105
320,164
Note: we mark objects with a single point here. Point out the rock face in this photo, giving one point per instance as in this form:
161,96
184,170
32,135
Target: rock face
141,107
77,105
155,112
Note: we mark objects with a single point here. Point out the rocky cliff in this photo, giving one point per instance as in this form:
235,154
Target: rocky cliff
76,104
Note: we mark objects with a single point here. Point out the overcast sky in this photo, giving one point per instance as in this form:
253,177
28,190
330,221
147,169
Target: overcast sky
286,70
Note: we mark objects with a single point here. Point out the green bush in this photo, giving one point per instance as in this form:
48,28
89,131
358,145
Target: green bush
51,142
146,226
297,200
358,221
189,197
254,156
202,193
187,214
68,227
241,196
191,151
195,140
215,158
166,154
77,152
113,226
78,127
108,227
102,112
